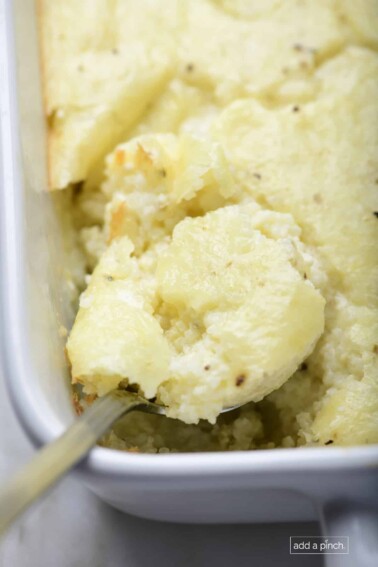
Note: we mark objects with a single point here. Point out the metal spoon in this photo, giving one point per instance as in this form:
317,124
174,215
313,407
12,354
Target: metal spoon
57,458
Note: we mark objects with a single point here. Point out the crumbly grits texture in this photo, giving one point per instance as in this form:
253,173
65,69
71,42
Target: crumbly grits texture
222,157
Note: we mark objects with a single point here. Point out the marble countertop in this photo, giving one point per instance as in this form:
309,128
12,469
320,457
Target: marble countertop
71,527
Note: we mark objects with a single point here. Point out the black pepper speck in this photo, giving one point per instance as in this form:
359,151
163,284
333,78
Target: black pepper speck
239,380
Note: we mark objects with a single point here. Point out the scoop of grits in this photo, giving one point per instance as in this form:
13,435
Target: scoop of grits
219,315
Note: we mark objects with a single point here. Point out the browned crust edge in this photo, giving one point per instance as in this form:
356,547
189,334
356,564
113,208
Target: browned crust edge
42,56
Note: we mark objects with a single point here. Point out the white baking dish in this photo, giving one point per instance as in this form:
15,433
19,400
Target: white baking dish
274,485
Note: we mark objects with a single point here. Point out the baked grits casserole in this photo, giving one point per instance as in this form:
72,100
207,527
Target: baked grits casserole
219,167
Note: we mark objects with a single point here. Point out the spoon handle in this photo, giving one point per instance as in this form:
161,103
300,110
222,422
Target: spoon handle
57,458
